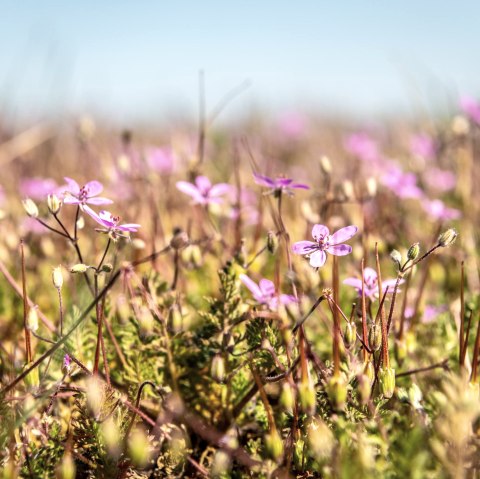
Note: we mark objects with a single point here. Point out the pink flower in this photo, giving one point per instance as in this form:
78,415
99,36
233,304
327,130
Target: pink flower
203,192
363,147
292,125
370,280
438,210
324,242
424,146
404,185
161,160
74,195
264,292
111,223
38,188
440,180
278,185
471,107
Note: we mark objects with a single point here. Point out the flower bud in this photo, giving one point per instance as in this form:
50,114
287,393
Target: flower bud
66,469
369,371
308,397
413,251
30,208
32,319
218,368
192,255
371,185
447,238
337,392
347,188
272,242
364,387
79,268
396,257
386,378
325,165
54,204
179,240
350,334
287,397
57,277
67,364
175,319
106,268
32,379
139,447
145,322
274,445
375,337
320,439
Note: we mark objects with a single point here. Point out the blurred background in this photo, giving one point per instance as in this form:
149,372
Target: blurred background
138,62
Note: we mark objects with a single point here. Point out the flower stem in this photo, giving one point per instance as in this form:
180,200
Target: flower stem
28,341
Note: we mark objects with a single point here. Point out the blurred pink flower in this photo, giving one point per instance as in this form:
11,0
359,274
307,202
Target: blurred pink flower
439,211
203,192
161,160
370,279
362,146
404,185
248,205
38,188
324,242
292,125
440,180
264,293
424,146
276,185
471,107
76,195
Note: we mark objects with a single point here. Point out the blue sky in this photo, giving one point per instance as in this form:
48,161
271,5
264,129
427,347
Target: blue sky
138,59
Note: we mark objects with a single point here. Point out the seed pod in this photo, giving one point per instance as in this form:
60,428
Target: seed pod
386,378
396,257
272,242
413,251
106,268
337,392
30,208
369,371
139,447
308,398
66,469
176,319
274,445
375,337
57,277
32,319
447,238
79,268
350,334
218,368
364,388
179,240
287,397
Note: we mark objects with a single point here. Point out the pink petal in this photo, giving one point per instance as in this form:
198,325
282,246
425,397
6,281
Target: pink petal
263,180
340,249
304,247
191,190
203,184
355,282
251,285
129,227
93,214
317,259
300,186
93,188
320,232
287,299
343,234
220,189
71,200
72,185
267,287
390,284
369,275
99,201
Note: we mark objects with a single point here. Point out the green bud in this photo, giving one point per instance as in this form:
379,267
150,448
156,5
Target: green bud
221,464
320,439
396,257
287,397
369,371
192,255
218,368
176,319
139,447
30,208
274,445
447,238
350,334
146,322
413,251
179,240
364,387
106,268
66,469
386,378
415,396
54,204
337,392
272,242
79,268
308,397
57,277
32,379
375,337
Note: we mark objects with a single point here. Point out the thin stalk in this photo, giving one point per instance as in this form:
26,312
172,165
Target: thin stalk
467,337
385,357
336,322
461,343
476,351
364,315
28,341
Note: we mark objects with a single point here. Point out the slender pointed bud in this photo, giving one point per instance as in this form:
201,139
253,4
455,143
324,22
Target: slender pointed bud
123,309
447,238
386,379
30,208
350,334
106,268
274,445
272,242
67,364
111,435
396,257
347,188
413,251
79,268
145,322
66,469
287,397
371,185
32,379
369,371
325,165
308,397
180,239
375,337
32,319
54,204
176,319
337,392
364,387
218,368
57,277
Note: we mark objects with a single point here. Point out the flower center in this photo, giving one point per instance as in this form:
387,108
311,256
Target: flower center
83,195
323,242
